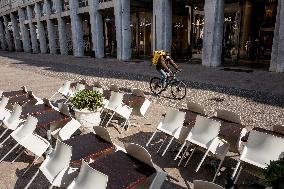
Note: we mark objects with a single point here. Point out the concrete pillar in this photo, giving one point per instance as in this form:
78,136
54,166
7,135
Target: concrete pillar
41,31
16,32
61,29
77,29
33,33
96,29
7,34
123,30
2,35
24,31
213,33
162,25
246,21
277,56
50,29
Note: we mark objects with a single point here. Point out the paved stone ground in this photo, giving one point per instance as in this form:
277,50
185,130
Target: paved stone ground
258,97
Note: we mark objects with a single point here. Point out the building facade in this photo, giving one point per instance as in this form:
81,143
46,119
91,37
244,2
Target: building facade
125,29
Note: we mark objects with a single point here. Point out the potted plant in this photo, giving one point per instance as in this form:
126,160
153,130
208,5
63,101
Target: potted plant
87,105
274,174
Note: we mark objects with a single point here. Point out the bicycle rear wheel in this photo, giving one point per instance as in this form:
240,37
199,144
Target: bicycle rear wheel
156,85
178,90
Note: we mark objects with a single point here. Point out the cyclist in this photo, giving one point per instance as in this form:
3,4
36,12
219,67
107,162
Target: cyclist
162,65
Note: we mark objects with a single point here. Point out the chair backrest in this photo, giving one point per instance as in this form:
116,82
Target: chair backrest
145,106
103,133
25,129
89,178
200,184
24,89
64,109
70,128
98,89
64,90
278,129
229,116
138,92
195,107
3,103
58,160
38,100
80,87
139,153
263,148
204,131
13,121
36,144
173,122
115,99
114,88
48,103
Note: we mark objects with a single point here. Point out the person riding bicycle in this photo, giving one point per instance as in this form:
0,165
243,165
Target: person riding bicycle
163,60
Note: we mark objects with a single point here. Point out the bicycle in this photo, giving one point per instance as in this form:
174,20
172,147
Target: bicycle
178,87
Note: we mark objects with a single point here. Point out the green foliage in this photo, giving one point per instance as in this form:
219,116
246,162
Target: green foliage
274,174
87,99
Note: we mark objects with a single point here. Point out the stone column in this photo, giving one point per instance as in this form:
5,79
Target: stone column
277,56
96,21
16,32
24,31
77,29
7,34
162,25
213,33
41,31
61,29
123,30
50,29
33,33
2,36
246,21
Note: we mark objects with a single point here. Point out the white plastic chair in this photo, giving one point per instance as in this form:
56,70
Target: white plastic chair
20,133
229,116
144,156
3,111
201,135
123,111
171,126
114,101
103,133
64,90
200,184
70,128
13,121
260,149
195,107
89,178
38,100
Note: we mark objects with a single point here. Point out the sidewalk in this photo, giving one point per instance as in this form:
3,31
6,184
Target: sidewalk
259,102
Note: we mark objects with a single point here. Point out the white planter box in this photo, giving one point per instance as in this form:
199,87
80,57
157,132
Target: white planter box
88,119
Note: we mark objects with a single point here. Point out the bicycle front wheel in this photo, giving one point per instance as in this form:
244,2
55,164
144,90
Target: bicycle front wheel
156,85
178,90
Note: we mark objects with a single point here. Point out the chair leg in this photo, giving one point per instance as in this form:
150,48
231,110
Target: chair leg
106,112
237,177
190,156
168,146
32,179
236,170
162,144
181,148
202,160
9,153
183,155
30,165
218,169
110,118
18,156
4,132
4,140
151,138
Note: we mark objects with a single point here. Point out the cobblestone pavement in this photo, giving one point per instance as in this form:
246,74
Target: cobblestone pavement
258,97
